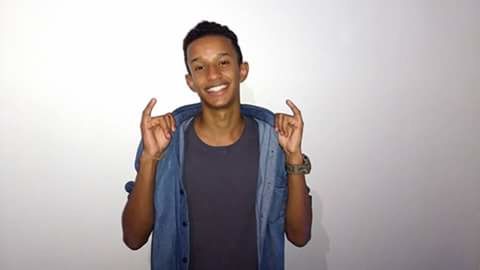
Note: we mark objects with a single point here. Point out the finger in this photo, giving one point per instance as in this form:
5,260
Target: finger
290,128
160,127
147,112
286,125
165,129
292,121
155,121
296,112
289,124
156,118
282,125
171,119
167,123
277,116
158,134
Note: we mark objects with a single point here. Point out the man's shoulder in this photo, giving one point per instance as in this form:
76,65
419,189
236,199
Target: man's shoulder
186,111
259,113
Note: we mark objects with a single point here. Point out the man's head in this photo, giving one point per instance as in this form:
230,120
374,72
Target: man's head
206,28
215,66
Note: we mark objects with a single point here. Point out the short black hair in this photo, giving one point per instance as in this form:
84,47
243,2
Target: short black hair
206,28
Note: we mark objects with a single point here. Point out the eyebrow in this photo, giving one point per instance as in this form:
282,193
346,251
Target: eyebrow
218,55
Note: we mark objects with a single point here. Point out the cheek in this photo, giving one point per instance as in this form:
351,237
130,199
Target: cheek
197,80
193,83
230,73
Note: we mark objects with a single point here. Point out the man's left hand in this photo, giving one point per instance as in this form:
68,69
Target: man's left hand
290,131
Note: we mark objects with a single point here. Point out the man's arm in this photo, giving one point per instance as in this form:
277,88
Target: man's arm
137,218
138,215
298,221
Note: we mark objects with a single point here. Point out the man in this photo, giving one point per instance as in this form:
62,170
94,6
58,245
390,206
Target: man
219,183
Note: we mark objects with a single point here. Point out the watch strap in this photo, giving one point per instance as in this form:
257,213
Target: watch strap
303,168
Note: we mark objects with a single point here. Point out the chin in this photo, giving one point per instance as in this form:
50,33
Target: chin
219,104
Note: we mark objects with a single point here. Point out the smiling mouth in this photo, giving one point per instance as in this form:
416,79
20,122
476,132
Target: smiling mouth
216,88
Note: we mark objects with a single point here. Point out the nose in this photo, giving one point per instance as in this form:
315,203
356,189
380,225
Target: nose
213,73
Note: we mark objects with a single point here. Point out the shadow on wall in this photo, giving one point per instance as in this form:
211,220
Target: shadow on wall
320,240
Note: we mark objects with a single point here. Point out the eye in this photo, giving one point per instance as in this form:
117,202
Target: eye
224,62
198,68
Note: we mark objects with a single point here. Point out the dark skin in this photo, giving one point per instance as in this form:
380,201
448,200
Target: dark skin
215,76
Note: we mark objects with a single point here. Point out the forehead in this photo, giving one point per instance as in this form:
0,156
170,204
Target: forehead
209,46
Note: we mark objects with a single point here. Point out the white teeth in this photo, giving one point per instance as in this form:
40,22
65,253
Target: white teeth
217,88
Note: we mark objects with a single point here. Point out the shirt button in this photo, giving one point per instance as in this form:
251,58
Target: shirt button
184,259
181,192
184,224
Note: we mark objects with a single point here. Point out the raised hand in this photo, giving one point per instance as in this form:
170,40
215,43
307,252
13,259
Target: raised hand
156,131
290,132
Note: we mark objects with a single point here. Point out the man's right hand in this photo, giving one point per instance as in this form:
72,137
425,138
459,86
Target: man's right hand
156,131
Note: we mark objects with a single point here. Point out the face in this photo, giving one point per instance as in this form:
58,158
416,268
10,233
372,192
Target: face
215,73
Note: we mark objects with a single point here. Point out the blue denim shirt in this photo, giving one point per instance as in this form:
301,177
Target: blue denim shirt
170,237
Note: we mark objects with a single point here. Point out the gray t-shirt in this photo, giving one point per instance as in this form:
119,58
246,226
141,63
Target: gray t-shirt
221,184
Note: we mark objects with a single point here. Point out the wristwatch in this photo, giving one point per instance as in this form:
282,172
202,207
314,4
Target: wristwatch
304,168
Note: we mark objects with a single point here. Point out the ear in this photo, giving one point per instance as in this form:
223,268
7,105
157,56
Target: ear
244,71
189,80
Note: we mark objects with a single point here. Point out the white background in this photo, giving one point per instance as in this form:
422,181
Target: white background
389,92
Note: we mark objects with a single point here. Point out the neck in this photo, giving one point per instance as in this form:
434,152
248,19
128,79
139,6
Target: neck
219,127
